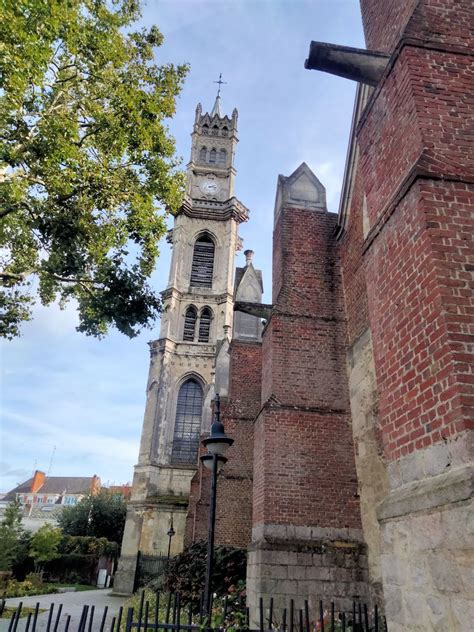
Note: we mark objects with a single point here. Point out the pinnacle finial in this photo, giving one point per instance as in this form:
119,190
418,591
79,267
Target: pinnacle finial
217,105
220,82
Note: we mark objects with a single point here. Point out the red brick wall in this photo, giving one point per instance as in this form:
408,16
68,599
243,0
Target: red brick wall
421,302
417,164
234,491
433,21
304,472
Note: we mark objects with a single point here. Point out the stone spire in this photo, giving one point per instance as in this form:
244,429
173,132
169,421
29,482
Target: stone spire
217,107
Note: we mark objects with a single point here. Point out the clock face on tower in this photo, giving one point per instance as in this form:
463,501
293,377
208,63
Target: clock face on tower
209,187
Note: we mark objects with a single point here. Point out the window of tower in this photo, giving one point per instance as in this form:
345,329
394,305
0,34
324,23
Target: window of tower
203,262
225,131
205,129
205,325
187,426
189,323
222,157
202,154
212,157
215,130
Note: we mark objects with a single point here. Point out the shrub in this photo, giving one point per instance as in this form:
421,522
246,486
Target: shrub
27,588
186,572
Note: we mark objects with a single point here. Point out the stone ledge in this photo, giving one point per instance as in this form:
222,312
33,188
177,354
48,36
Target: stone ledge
444,489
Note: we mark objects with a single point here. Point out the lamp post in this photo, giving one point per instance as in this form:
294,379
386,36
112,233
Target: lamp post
170,533
217,444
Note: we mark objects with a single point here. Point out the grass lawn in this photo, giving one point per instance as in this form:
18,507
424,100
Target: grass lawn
9,611
78,587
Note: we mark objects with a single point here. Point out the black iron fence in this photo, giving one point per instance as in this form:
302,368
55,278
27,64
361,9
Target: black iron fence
166,612
150,566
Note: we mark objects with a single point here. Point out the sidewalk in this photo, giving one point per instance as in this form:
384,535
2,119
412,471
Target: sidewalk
73,603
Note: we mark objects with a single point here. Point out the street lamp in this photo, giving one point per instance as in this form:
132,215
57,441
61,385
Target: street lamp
217,444
170,534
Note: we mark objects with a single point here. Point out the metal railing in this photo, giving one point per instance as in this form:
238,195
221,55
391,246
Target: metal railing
168,613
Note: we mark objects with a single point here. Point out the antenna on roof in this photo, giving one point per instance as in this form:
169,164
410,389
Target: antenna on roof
51,461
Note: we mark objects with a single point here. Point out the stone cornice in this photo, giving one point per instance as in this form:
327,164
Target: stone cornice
213,210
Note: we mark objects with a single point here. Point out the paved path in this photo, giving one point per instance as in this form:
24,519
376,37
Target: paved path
73,603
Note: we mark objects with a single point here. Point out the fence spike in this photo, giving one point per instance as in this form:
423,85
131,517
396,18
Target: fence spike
128,625
178,610
343,622
119,618
376,617
68,621
140,610
270,614
292,615
91,618
104,617
333,623
260,614
301,620
58,617
112,625
306,615
35,617
50,616
366,618
157,609
147,608
28,621
321,615
284,620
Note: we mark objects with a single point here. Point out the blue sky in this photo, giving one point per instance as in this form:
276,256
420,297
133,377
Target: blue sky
85,396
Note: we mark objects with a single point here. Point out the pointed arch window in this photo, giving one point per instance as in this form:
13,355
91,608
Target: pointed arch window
189,323
187,425
203,262
202,154
212,157
205,325
215,130
225,131
205,129
222,157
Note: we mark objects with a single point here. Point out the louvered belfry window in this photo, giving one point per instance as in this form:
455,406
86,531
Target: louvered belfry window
187,427
203,262
189,323
205,325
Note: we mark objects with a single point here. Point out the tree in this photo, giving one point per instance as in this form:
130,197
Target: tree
99,515
87,165
11,532
44,545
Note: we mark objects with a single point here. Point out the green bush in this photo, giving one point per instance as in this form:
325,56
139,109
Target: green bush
15,588
186,572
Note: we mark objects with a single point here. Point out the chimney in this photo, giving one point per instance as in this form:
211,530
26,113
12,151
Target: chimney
248,257
95,484
38,481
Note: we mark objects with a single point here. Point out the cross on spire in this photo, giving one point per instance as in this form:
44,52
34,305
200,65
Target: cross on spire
220,82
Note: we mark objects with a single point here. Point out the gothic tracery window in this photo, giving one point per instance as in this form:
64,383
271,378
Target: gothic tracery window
205,325
189,323
203,262
187,426
222,157
212,157
202,154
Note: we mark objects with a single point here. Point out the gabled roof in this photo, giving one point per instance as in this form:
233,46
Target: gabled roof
54,485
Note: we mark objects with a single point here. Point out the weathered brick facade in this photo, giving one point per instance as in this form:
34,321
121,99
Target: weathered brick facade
234,491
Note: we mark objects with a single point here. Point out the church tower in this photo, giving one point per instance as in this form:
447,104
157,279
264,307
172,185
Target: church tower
196,322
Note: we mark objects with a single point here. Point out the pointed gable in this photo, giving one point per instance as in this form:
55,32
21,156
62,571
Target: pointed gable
301,190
